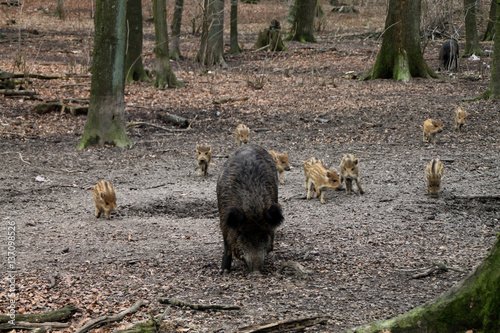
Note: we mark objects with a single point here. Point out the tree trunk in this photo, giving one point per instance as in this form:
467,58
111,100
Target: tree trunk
303,22
474,304
471,37
400,57
212,39
490,28
105,119
60,11
234,47
133,61
165,77
493,90
175,49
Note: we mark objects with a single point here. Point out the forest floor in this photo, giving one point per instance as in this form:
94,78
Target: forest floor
360,251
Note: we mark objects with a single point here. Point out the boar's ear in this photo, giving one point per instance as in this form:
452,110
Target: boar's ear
234,217
355,161
274,216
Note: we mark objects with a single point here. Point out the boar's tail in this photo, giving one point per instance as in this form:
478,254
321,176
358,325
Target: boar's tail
274,216
234,217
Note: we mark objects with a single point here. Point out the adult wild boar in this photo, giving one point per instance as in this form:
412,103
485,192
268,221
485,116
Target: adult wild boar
448,55
247,197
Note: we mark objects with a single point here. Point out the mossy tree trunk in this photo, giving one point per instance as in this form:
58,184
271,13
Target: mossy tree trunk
400,57
303,21
490,28
175,49
134,68
471,36
165,77
234,45
493,90
60,11
474,304
212,37
105,119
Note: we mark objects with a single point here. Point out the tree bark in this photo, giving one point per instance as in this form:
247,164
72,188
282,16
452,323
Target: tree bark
58,315
211,51
303,22
400,57
175,49
60,11
474,304
490,28
234,45
134,68
493,90
105,119
165,77
471,37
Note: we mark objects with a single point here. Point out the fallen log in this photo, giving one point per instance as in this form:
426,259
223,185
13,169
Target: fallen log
24,325
150,326
62,108
201,307
173,119
229,100
11,92
108,319
295,325
61,314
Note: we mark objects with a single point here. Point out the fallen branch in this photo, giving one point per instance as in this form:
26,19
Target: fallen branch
108,319
295,325
201,307
229,100
24,325
439,267
11,92
61,314
294,265
150,326
141,123
173,119
44,108
311,120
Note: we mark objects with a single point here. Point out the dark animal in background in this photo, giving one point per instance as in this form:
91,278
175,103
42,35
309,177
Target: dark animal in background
247,198
275,25
448,56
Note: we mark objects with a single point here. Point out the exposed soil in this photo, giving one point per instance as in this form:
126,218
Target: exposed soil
361,250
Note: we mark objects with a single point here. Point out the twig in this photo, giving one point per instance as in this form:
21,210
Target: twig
440,267
108,319
229,100
201,307
295,265
21,157
141,123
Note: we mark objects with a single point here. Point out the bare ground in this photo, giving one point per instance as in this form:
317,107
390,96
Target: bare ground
360,250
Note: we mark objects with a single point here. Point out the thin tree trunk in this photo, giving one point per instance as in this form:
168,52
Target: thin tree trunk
303,23
234,47
61,12
105,119
472,305
490,28
400,57
471,36
165,77
175,50
212,39
133,62
493,90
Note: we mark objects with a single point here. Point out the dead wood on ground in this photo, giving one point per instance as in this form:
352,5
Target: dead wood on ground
61,314
108,319
12,92
141,123
62,108
197,306
24,325
295,325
